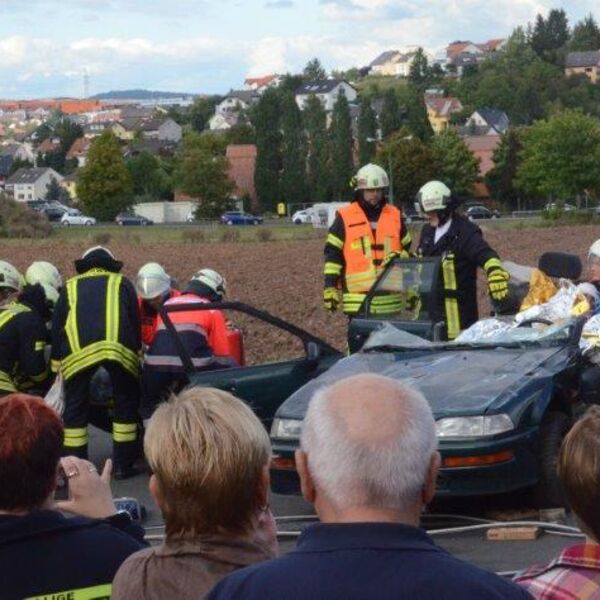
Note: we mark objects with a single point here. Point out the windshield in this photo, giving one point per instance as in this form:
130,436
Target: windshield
389,337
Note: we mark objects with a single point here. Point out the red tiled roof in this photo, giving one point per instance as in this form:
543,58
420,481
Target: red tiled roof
68,107
79,148
494,44
260,81
443,106
48,146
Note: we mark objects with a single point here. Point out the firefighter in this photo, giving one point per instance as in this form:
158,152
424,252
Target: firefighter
22,333
154,287
48,276
460,243
360,238
96,324
203,334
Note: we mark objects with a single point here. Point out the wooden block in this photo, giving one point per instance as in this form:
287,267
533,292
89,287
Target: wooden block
512,533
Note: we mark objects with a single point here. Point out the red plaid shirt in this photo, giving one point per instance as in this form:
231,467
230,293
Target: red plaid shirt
574,575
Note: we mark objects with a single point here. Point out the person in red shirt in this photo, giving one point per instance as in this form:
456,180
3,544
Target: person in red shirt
202,333
154,287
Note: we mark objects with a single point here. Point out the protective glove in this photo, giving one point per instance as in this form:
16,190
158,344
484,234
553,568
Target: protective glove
331,299
402,254
498,284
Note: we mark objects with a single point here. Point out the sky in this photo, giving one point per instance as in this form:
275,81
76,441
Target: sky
210,46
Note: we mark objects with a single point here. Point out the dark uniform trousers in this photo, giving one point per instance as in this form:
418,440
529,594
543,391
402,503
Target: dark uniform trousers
126,396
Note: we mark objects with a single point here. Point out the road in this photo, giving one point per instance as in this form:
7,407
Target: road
473,547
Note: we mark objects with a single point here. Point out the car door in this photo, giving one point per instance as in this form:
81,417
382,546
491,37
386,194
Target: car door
263,386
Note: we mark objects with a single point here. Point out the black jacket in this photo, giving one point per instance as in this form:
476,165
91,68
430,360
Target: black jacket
81,318
45,553
22,341
465,241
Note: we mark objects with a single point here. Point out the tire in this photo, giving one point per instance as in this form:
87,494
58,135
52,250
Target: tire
228,222
88,223
547,492
298,222
65,223
256,222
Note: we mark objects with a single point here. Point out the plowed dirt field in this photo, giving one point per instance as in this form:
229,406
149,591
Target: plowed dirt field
283,278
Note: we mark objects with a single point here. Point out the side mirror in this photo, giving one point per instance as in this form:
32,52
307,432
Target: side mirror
313,352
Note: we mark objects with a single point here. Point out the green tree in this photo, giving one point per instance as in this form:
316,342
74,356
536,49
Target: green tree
319,178
342,164
391,120
501,178
104,183
56,192
293,149
550,34
458,167
314,71
201,111
585,36
150,181
268,147
419,72
412,163
560,158
201,172
367,132
19,163
417,119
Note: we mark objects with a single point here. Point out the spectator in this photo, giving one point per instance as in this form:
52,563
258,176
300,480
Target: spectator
42,553
210,460
368,463
575,573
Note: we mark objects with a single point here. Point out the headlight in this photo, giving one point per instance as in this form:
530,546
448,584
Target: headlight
286,429
471,427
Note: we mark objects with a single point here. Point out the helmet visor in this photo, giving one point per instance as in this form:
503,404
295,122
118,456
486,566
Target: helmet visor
149,287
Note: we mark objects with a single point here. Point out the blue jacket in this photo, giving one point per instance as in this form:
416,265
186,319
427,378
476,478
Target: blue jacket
44,554
366,560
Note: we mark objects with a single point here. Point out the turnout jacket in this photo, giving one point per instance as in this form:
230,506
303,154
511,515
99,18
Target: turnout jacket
96,319
359,239
22,342
150,318
46,555
462,249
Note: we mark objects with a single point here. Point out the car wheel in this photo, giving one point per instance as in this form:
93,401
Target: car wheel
298,222
228,222
256,222
88,223
548,492
494,216
65,223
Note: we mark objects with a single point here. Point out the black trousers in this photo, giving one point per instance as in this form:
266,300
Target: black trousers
157,386
126,397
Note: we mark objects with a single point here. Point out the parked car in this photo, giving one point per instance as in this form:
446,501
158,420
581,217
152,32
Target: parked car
236,217
73,216
300,217
37,205
129,218
54,211
566,207
482,212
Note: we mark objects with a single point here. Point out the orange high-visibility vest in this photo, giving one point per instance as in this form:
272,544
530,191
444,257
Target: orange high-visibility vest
363,252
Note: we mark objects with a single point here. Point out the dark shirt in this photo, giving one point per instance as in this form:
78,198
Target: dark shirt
366,560
44,553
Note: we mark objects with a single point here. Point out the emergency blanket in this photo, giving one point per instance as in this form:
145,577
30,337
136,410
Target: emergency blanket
590,340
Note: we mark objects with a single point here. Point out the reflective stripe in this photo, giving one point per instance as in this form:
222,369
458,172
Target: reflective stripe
113,286
332,268
334,240
39,378
71,323
384,304
39,345
175,361
180,327
406,241
450,304
6,382
55,365
96,592
492,263
75,437
124,432
11,310
98,352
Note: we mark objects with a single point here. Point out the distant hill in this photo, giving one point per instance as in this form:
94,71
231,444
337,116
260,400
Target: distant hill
138,95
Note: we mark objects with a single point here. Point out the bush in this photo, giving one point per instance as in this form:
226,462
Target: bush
193,236
264,235
101,239
230,235
17,220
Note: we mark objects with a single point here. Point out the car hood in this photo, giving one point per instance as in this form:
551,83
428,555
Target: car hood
457,382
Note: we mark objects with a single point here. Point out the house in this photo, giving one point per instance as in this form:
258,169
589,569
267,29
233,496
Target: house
31,184
393,63
237,100
162,129
583,63
79,150
133,111
260,84
242,164
486,121
460,54
69,182
483,147
222,121
126,128
327,91
440,109
49,146
96,128
18,151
